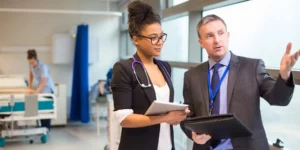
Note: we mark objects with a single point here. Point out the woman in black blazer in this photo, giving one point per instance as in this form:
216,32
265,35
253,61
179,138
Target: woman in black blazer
138,81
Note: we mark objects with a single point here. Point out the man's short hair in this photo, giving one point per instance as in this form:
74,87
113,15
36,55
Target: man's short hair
207,19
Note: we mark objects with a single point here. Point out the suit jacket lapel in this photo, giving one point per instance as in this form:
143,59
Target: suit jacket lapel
233,73
140,72
163,69
203,83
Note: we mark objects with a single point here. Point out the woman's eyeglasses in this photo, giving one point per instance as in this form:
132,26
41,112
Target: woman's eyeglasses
155,40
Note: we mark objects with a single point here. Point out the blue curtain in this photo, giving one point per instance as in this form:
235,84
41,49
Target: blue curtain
79,99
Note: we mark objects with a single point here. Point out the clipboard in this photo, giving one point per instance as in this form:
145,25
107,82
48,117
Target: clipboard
218,126
160,108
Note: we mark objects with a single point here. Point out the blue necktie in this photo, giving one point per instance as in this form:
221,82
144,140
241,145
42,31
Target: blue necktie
216,109
214,83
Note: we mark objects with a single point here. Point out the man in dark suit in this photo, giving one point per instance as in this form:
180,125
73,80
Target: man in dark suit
235,86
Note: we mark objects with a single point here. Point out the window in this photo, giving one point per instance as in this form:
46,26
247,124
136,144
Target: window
177,2
176,46
127,49
180,138
283,122
260,30
123,44
131,49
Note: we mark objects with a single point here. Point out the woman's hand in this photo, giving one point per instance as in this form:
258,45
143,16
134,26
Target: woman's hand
30,91
175,117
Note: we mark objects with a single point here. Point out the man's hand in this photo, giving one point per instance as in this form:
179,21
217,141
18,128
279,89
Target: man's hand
200,139
287,62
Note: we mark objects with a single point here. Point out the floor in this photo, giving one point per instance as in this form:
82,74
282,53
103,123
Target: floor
75,136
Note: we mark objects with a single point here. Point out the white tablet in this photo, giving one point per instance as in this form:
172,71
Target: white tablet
158,108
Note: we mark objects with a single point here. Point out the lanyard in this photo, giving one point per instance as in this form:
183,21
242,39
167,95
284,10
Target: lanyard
212,94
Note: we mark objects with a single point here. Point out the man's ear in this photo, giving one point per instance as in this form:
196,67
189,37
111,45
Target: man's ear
228,36
200,42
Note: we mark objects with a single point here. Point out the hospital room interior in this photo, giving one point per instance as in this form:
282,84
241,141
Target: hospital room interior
78,42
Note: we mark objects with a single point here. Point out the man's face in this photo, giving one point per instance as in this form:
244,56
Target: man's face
215,39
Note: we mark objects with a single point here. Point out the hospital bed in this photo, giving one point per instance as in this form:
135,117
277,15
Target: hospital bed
22,107
16,106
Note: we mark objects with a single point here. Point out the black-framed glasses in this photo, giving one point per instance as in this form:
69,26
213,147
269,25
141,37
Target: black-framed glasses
155,40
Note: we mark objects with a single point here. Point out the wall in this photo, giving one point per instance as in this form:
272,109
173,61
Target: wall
92,5
108,33
23,29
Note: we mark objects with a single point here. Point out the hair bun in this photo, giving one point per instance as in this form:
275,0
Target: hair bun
31,54
138,11
31,51
140,14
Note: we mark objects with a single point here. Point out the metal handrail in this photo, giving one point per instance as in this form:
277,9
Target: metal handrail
273,72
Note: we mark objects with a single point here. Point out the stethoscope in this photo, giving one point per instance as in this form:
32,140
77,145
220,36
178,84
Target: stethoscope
146,73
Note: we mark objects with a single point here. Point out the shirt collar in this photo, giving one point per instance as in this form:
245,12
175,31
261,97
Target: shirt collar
37,65
225,61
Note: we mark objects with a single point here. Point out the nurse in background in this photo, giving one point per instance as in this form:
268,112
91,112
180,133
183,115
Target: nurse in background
40,72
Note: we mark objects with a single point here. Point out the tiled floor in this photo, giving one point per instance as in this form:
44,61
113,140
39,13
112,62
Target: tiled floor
75,136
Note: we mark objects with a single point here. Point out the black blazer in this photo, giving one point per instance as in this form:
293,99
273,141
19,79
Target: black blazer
247,82
128,94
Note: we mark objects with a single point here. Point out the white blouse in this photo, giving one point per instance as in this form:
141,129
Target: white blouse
162,94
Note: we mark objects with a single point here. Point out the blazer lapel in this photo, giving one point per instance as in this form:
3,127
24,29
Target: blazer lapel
142,76
233,73
167,77
203,83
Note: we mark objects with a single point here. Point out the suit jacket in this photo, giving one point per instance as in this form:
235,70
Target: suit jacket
247,82
128,94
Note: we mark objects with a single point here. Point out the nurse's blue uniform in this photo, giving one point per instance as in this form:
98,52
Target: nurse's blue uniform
41,70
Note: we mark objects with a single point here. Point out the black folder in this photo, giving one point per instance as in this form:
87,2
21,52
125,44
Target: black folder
218,126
